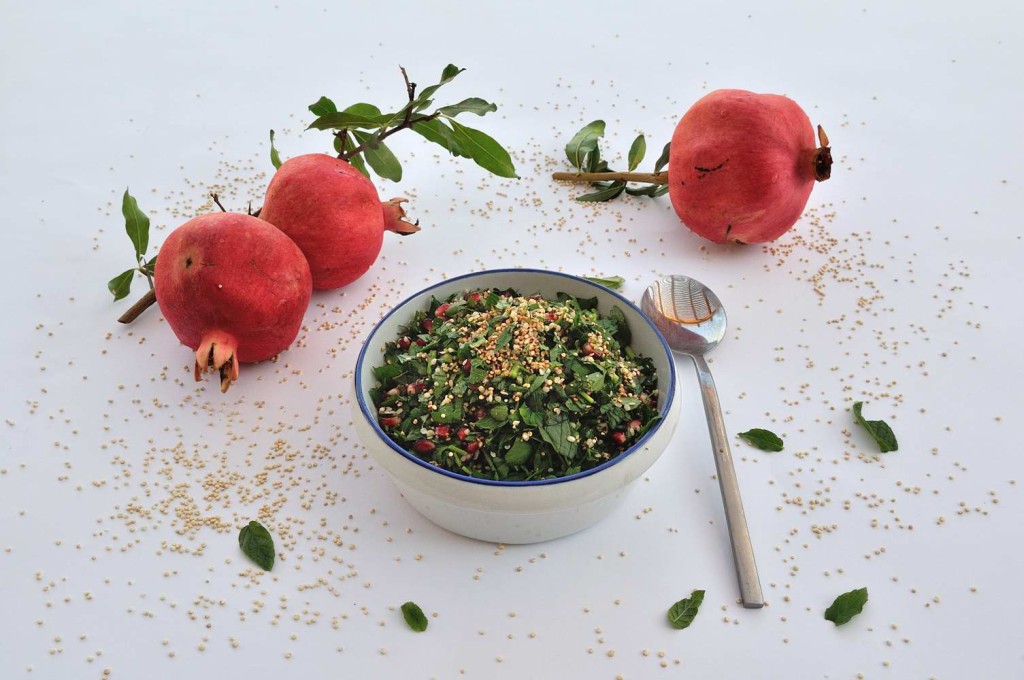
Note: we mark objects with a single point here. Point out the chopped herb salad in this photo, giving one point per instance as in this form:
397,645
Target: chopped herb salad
496,385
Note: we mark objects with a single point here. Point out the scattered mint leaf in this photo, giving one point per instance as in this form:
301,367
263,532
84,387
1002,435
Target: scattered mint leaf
584,143
846,606
136,224
379,157
322,107
472,105
682,613
414,616
613,282
766,440
275,157
484,150
636,152
121,284
878,429
663,159
257,544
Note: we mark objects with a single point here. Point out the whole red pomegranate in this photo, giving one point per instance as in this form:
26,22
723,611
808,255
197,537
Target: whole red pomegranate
742,165
332,211
233,288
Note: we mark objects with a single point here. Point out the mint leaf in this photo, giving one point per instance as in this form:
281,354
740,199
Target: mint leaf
584,143
557,434
257,544
484,150
414,616
846,606
322,107
682,613
663,159
766,440
504,338
499,412
121,284
622,334
379,157
136,224
275,157
519,453
878,429
613,282
472,105
636,152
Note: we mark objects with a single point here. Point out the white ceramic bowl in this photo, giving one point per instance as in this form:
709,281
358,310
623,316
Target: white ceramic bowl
516,512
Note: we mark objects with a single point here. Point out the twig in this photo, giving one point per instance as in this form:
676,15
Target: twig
580,177
216,199
144,303
407,122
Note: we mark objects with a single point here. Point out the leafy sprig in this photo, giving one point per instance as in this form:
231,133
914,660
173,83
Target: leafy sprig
136,223
360,129
584,154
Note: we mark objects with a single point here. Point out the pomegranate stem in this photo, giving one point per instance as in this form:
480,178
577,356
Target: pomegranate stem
144,303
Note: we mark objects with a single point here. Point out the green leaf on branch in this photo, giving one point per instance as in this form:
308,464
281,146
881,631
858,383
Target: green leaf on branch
379,157
584,143
423,100
121,284
322,107
878,429
136,224
606,193
652,190
437,132
275,157
484,150
359,164
663,159
344,120
636,152
150,266
472,105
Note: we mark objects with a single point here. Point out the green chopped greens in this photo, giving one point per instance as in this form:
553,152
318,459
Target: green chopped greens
496,385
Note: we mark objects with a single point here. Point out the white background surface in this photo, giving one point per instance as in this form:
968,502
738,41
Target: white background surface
914,246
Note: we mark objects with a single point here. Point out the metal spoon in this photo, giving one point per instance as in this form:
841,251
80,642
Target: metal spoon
692,319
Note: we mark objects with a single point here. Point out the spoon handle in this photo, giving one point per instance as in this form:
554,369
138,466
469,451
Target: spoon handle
742,550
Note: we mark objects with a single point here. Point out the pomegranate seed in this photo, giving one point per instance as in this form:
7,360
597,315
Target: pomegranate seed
404,342
439,312
474,298
480,413
390,421
634,425
552,316
462,433
424,446
428,324
587,350
473,446
619,437
443,431
416,387
420,342
467,366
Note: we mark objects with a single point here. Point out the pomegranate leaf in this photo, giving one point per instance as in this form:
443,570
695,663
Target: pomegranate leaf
379,157
438,133
484,150
475,105
322,107
584,143
423,100
878,429
121,284
344,120
414,616
636,152
136,224
605,193
652,190
275,157
663,159
682,613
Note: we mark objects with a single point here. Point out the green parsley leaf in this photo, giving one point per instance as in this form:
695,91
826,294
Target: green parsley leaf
682,613
257,544
414,616
846,606
766,440
878,429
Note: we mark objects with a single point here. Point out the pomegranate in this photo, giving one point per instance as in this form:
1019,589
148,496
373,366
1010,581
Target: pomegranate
233,288
332,211
742,165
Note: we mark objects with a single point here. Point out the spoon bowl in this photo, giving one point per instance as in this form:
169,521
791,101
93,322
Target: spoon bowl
692,320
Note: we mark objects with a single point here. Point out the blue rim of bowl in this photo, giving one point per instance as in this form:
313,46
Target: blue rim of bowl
372,420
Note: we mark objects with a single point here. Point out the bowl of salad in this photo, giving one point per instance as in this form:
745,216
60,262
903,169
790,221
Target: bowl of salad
515,405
